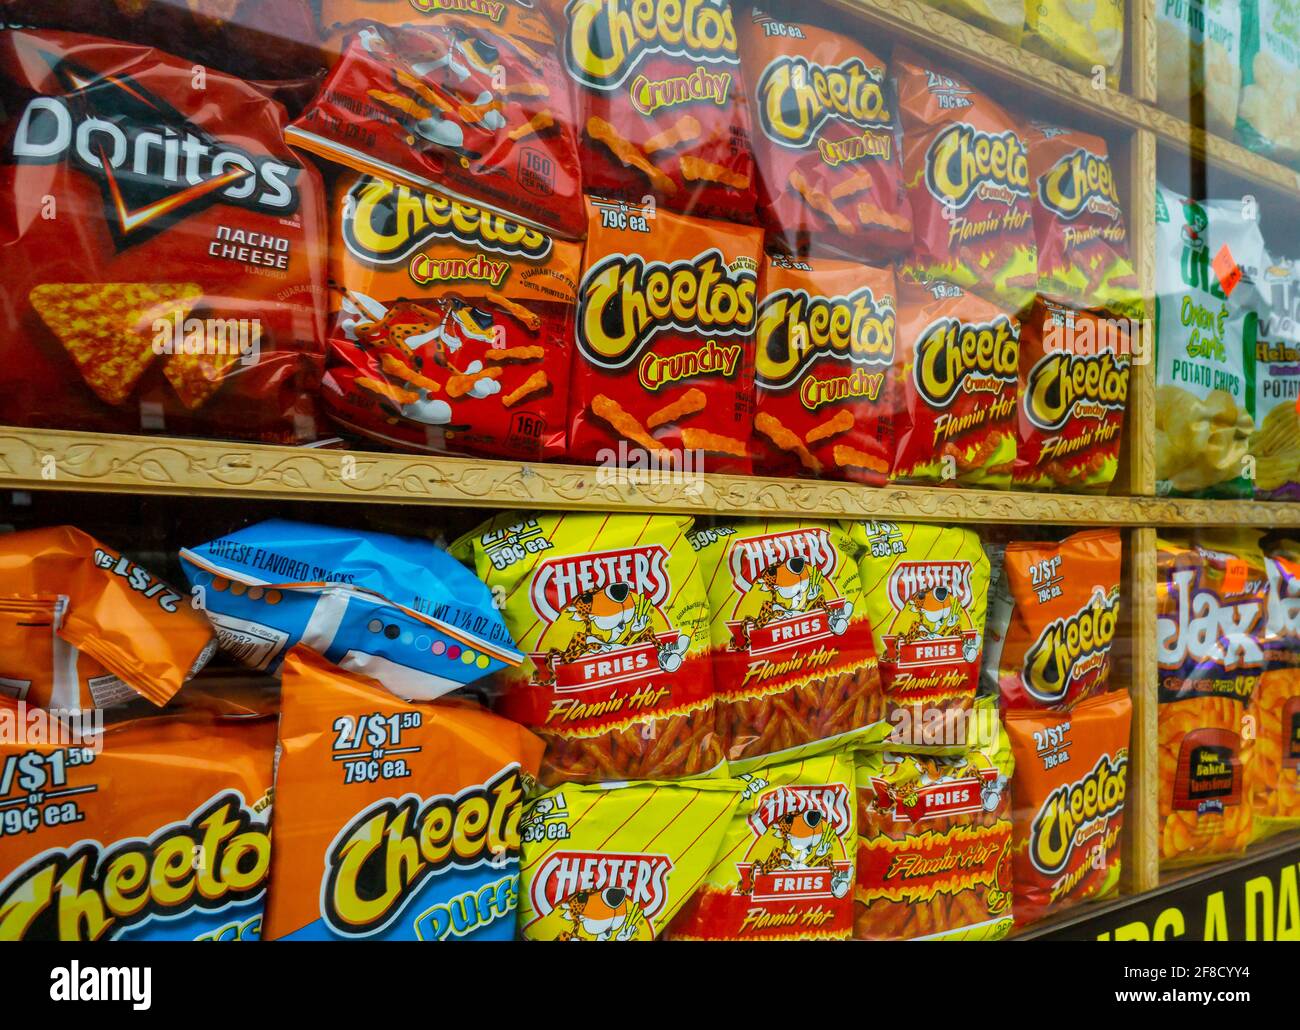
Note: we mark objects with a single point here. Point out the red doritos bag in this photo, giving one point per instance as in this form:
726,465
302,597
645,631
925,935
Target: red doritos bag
164,251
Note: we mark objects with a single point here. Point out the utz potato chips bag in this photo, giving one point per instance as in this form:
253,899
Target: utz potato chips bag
966,168
784,869
618,862
1198,61
613,617
955,416
1273,386
826,135
452,324
665,358
793,659
1269,109
1003,18
823,370
153,829
1211,597
1067,803
1082,36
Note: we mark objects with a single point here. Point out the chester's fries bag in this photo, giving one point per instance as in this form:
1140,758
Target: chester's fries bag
1198,61
164,253
1080,36
925,589
784,869
452,324
617,862
665,357
397,609
958,357
793,659
826,141
1274,386
661,103
1052,618
1273,775
83,626
1268,116
824,369
1211,596
468,99
1067,803
966,168
934,843
1004,18
150,829
614,619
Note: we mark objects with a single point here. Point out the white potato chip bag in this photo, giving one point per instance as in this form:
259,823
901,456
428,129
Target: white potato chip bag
1198,58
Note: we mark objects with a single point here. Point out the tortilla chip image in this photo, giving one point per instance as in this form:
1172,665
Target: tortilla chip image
196,377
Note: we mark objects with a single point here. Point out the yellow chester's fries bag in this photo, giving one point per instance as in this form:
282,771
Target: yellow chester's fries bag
617,862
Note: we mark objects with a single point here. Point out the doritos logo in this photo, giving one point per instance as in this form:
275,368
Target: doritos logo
794,330
1098,795
1068,648
1077,183
750,557
796,97
640,570
908,578
964,163
1062,380
639,880
950,352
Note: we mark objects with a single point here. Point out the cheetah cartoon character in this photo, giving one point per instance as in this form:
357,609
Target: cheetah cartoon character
804,841
605,915
938,613
794,587
611,618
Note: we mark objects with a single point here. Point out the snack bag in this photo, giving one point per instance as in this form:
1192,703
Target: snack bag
614,619
1052,619
1082,37
1273,775
784,869
1198,61
466,99
1067,803
82,626
1073,389
397,609
153,829
1268,117
793,658
955,418
925,589
661,103
1211,597
452,324
665,358
617,862
1003,18
1208,262
165,251
1273,385
823,370
967,173
830,179
1083,251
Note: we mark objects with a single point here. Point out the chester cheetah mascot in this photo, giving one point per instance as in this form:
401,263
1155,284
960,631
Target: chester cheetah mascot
803,841
794,587
936,613
606,915
610,619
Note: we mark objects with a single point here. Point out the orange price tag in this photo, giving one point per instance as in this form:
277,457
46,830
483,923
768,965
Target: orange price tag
1234,576
1227,270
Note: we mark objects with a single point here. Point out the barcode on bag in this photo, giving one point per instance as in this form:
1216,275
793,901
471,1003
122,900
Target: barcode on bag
249,643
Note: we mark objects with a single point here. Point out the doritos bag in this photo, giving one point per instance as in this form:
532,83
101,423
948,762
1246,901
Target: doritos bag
1273,775
1052,620
967,174
1079,37
784,869
452,325
1273,379
393,608
165,251
661,103
824,377
826,141
83,626
1067,803
792,653
614,619
466,99
955,415
665,360
154,829
616,863
393,821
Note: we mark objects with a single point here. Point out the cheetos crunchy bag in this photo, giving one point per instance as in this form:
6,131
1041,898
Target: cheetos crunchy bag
617,862
614,619
784,870
1273,775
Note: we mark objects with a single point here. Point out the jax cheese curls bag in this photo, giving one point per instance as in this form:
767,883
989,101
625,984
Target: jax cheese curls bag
617,863
613,617
1211,596
466,99
661,103
793,659
1052,619
1274,386
164,249
154,829
826,141
393,821
1083,37
966,168
784,869
452,325
665,357
824,369
1273,775
1067,803
957,363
